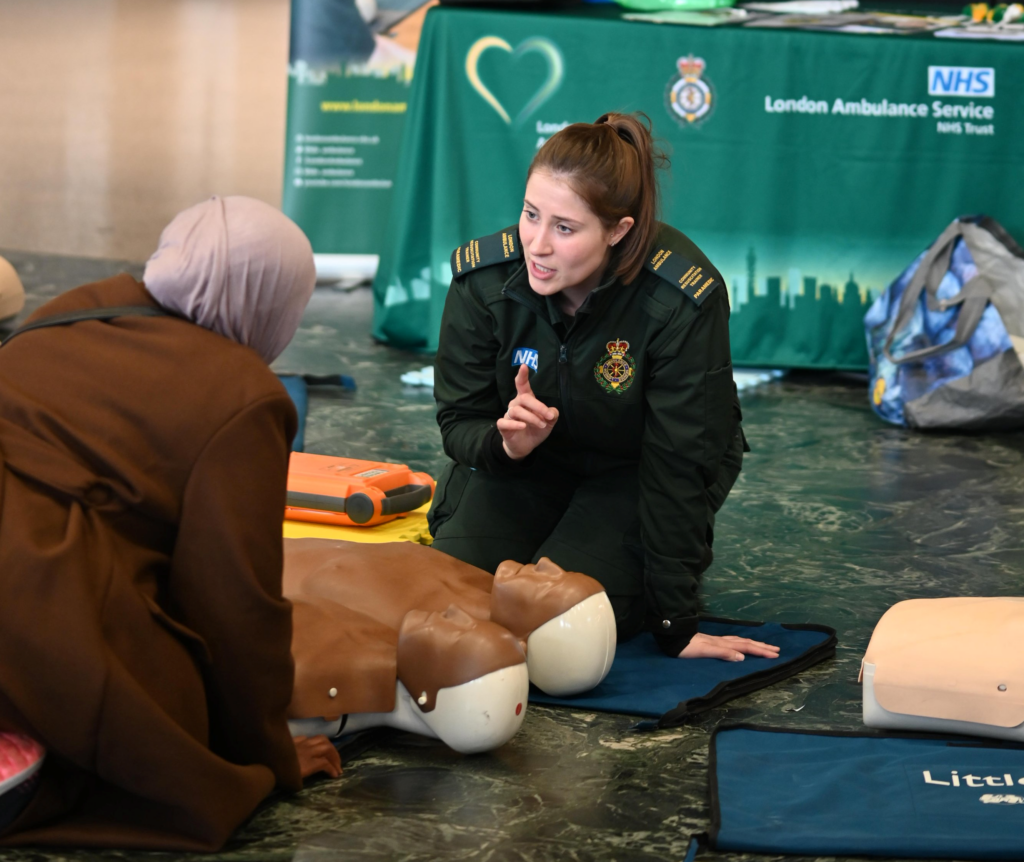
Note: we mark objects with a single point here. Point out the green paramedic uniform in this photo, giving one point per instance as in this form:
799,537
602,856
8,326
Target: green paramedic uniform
647,444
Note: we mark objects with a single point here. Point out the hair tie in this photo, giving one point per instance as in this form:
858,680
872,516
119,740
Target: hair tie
619,130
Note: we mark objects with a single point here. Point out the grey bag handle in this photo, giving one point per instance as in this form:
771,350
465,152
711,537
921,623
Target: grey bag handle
974,297
69,317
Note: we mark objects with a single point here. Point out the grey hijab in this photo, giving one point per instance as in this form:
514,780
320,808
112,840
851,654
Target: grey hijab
237,266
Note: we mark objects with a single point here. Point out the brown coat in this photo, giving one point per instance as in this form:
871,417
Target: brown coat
143,636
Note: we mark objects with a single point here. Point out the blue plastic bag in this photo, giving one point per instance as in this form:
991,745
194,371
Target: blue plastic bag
942,355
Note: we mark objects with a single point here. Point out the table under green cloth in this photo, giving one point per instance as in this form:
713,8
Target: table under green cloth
811,167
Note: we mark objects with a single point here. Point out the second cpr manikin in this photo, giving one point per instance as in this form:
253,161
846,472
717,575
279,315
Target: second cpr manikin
948,665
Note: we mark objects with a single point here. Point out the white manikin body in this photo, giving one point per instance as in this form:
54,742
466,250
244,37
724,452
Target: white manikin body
476,716
569,654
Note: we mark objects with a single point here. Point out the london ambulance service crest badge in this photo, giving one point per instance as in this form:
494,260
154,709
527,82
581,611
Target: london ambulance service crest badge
690,97
616,369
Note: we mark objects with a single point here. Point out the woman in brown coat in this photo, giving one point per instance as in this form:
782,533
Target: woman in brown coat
144,640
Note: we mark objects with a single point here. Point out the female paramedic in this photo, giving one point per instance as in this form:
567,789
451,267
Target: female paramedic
585,393
144,641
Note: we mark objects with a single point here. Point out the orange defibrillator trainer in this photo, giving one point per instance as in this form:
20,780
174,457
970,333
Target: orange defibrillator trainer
329,490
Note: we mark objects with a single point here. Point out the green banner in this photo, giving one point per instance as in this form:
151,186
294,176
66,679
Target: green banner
811,167
347,95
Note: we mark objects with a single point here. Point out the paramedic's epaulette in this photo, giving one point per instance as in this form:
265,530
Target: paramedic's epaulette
693,280
486,251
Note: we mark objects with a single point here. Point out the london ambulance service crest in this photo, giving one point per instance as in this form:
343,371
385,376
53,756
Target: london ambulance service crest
690,97
616,369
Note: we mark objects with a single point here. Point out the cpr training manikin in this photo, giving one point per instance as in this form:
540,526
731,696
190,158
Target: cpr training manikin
403,636
12,293
947,665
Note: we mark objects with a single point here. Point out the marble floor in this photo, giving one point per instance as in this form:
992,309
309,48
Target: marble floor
835,517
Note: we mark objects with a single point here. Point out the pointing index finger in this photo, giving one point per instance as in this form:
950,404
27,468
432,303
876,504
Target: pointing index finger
523,381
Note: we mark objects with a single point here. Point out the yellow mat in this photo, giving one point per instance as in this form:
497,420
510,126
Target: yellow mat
407,528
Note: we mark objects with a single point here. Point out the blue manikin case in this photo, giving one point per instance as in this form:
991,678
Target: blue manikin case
297,387
644,681
834,793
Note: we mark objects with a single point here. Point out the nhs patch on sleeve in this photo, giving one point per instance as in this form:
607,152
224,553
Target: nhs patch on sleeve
524,356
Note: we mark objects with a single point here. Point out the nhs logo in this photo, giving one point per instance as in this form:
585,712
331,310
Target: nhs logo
961,81
525,356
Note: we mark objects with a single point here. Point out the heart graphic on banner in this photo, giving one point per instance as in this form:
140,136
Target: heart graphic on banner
533,45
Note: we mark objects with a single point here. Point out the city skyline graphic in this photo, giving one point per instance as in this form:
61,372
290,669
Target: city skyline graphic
797,318
796,289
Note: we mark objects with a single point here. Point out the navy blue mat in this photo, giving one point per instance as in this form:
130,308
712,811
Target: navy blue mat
865,794
297,387
644,681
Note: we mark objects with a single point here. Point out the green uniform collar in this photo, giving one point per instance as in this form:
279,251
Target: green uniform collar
518,285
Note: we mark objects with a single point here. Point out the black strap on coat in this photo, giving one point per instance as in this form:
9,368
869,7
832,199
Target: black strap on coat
69,317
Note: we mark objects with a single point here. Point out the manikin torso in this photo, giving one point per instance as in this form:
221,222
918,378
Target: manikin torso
403,636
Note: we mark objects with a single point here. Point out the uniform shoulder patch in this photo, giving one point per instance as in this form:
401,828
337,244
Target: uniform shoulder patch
694,280
488,250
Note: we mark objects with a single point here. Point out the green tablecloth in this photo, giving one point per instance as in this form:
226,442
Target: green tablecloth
813,167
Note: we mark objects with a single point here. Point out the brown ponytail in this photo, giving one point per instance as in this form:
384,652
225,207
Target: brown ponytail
611,165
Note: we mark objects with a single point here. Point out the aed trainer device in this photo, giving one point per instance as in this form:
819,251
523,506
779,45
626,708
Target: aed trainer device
325,489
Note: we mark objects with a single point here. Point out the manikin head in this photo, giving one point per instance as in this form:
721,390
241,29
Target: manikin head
12,294
564,619
468,677
590,207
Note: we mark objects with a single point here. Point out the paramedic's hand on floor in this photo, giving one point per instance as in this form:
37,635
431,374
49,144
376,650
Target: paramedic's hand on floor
317,754
727,648
528,421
